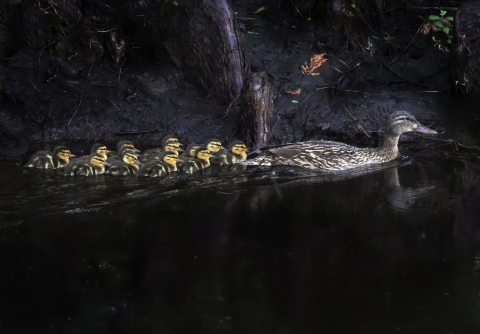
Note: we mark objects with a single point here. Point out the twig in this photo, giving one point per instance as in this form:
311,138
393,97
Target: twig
444,8
81,98
414,82
113,104
357,121
230,105
418,30
120,70
134,132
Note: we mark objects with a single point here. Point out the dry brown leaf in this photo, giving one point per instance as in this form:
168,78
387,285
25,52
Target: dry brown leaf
315,62
295,92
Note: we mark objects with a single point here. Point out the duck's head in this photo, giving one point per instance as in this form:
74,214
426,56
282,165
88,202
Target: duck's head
171,138
190,150
403,121
170,158
98,160
238,147
100,149
203,153
172,146
126,144
63,153
213,145
130,158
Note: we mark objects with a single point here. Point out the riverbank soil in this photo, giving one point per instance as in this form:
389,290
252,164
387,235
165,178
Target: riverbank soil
335,72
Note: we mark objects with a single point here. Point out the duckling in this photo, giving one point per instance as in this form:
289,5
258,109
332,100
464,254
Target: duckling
96,148
332,156
121,146
236,153
128,165
189,152
214,146
165,165
201,161
170,144
94,165
50,160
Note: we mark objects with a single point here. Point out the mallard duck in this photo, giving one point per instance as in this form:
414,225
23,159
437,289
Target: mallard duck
334,156
165,165
121,147
128,165
50,160
235,153
94,165
201,161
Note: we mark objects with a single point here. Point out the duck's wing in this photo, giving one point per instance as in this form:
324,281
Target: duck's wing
321,155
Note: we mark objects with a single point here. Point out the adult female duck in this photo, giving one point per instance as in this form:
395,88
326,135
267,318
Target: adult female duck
334,156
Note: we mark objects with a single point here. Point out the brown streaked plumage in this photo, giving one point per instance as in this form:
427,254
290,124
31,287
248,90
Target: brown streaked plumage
127,166
332,156
235,153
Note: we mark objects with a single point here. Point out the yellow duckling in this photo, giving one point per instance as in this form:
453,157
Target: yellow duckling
214,146
189,152
236,153
121,147
50,160
201,161
127,166
169,144
165,165
94,165
96,148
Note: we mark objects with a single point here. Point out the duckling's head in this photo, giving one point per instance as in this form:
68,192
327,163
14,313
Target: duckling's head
190,150
125,143
100,149
170,138
170,158
214,145
97,160
202,153
172,146
63,153
403,121
130,158
237,147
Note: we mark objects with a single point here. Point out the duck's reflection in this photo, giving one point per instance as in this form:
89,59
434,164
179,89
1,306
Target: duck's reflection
403,198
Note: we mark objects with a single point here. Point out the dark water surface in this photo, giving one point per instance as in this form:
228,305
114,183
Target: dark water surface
272,250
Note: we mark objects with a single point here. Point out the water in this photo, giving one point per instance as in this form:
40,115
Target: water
242,250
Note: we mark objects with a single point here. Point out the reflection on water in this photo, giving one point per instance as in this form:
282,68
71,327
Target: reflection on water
244,250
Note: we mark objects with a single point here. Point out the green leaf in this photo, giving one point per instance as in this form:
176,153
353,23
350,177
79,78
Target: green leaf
446,30
433,38
438,24
449,41
294,101
259,10
434,17
353,5
443,12
252,33
450,18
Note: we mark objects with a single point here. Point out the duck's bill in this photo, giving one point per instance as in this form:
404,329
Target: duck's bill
107,164
72,155
137,150
422,129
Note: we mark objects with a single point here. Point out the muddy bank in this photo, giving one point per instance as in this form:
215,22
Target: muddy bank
50,97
